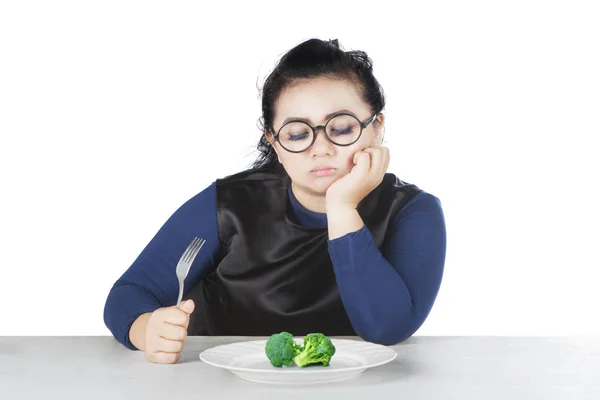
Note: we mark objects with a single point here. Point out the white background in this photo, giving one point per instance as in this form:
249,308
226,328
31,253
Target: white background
114,113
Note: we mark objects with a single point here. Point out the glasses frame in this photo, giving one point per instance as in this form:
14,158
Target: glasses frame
316,129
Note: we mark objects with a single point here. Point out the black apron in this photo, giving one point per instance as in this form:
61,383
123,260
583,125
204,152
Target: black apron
272,274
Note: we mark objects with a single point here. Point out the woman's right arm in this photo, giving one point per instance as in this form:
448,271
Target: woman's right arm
150,282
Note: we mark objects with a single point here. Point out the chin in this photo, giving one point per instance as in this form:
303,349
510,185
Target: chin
320,185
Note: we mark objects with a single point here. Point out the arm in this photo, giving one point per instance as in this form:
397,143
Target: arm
150,282
388,294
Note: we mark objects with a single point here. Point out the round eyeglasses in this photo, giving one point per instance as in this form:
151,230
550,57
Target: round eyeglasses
297,136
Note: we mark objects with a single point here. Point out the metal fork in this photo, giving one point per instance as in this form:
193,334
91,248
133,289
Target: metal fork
185,262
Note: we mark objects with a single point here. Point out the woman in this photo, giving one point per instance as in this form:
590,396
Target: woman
315,237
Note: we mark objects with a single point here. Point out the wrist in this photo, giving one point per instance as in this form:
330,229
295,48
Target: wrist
339,207
340,211
137,332
343,220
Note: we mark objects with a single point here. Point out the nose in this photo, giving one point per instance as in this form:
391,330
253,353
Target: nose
321,146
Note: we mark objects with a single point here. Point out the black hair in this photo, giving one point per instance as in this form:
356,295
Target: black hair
315,58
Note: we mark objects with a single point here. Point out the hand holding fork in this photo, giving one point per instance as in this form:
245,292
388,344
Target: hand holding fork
166,327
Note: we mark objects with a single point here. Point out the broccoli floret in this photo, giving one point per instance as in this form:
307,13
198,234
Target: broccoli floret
317,349
281,349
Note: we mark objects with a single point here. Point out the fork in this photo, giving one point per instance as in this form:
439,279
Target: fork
185,262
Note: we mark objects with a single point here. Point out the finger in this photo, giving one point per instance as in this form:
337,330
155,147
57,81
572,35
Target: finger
175,316
380,158
387,160
380,150
362,157
187,306
160,357
358,154
172,332
169,346
363,161
377,159
373,148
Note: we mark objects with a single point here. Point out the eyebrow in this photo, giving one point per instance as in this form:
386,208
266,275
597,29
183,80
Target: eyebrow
327,116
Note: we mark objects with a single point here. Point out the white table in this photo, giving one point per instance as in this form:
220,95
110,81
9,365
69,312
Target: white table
482,368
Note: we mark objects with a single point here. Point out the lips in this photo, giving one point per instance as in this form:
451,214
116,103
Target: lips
323,170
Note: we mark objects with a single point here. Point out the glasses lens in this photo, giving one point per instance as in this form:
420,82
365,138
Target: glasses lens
343,129
296,136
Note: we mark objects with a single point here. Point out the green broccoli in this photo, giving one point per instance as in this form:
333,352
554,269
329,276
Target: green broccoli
317,349
281,349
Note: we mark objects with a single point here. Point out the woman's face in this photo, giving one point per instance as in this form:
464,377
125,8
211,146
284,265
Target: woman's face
315,169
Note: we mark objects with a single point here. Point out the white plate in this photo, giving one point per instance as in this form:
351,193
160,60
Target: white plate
248,361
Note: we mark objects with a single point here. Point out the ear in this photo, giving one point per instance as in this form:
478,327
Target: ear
271,141
378,125
269,137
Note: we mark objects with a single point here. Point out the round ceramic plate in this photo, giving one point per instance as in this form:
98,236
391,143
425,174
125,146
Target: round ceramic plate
248,361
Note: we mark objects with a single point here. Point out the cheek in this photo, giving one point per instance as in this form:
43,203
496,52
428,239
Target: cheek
369,139
294,164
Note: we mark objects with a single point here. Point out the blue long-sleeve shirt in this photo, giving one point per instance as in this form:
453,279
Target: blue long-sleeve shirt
387,294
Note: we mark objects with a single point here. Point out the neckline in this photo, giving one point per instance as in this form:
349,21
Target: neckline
293,206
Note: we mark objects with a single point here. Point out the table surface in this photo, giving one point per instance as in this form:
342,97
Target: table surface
98,367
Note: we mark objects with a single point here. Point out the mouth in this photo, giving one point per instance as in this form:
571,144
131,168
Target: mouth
323,171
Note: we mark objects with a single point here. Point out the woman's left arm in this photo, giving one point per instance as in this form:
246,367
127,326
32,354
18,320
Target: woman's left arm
388,294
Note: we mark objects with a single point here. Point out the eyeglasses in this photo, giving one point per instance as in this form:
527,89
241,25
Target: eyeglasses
342,130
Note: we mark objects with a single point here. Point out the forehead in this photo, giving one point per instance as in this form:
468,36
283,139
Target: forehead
313,99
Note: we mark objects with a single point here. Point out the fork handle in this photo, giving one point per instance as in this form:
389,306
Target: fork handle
180,292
